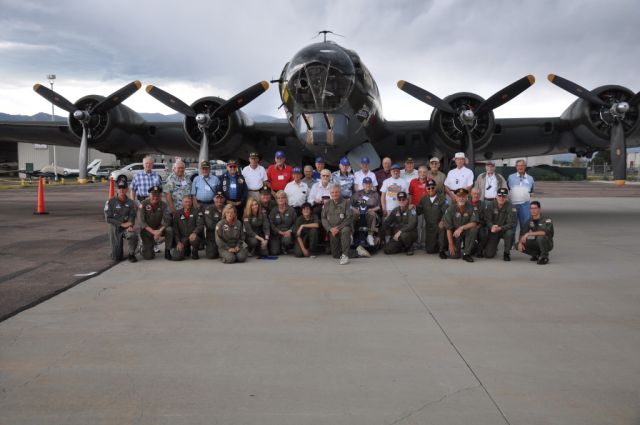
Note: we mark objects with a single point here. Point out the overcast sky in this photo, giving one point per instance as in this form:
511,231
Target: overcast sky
199,48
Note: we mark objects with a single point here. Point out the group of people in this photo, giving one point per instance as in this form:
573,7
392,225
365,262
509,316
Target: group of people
282,209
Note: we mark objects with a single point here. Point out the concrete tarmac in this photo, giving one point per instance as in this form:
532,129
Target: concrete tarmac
386,340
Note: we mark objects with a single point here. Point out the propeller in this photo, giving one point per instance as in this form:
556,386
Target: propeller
206,119
84,115
467,116
616,110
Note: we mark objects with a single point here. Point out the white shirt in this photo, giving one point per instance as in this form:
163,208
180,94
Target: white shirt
390,189
491,186
360,175
318,191
255,178
409,176
459,177
296,193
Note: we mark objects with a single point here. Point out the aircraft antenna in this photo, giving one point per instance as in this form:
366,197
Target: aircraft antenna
324,33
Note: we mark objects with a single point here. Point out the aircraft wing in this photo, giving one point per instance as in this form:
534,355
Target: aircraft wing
44,132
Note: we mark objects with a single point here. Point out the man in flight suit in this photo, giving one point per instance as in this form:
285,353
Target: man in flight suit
537,240
154,220
500,216
337,219
187,225
120,213
461,224
212,214
402,225
432,206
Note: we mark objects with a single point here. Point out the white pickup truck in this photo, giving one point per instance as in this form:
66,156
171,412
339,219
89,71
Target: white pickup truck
127,172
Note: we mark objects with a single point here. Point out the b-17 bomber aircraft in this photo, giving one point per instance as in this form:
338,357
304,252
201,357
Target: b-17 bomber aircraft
333,109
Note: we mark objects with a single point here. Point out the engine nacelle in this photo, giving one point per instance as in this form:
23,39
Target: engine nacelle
591,123
220,129
450,129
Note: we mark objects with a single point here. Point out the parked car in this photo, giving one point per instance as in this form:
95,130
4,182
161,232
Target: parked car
127,172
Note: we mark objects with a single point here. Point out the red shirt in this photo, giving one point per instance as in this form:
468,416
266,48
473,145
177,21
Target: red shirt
417,190
279,178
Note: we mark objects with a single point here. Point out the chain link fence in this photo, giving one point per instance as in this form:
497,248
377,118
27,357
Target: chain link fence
604,172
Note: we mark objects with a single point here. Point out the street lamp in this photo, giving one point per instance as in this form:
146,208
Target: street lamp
52,78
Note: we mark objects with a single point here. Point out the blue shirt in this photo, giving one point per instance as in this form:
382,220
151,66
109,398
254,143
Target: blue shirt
520,187
205,192
142,182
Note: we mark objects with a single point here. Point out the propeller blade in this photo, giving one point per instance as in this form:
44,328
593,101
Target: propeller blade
575,89
117,97
618,154
171,101
468,149
54,98
506,94
635,99
425,96
240,99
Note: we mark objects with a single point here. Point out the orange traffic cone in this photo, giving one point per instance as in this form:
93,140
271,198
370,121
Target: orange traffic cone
40,208
112,188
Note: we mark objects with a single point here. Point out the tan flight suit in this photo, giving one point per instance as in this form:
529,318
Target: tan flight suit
183,227
539,246
155,218
259,226
116,213
505,218
404,220
230,236
211,216
453,219
433,213
338,215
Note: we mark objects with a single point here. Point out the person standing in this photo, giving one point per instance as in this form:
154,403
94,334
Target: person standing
120,214
204,186
320,165
297,191
363,173
344,178
320,192
521,186
279,174
537,240
337,219
390,189
308,176
212,214
409,172
255,176
144,180
458,178
436,175
384,173
154,221
432,207
177,186
489,182
417,189
234,187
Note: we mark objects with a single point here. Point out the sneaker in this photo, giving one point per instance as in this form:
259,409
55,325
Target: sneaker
344,260
543,261
442,255
313,256
132,258
506,257
362,252
467,258
370,240
156,248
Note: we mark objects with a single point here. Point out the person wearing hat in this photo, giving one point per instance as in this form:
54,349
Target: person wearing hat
154,222
432,207
384,172
417,189
390,189
307,173
120,214
282,219
337,220
204,186
297,192
459,177
279,174
230,237
489,182
306,233
188,224
500,217
370,197
461,224
320,165
362,173
234,187
536,237
479,208
256,228
144,180
211,215
409,172
435,174
255,176
401,226
344,178
266,200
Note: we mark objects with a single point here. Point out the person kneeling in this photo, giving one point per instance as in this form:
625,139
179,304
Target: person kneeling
306,233
537,240
187,224
402,225
230,237
461,223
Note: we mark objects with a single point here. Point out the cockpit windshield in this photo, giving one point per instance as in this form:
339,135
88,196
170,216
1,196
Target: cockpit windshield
320,77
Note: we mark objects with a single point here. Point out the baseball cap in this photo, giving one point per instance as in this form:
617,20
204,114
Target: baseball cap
459,155
434,159
344,161
122,184
364,160
219,194
367,180
280,154
296,170
155,189
461,191
265,189
489,162
396,167
503,191
205,164
431,183
409,159
232,162
319,160
254,155
402,195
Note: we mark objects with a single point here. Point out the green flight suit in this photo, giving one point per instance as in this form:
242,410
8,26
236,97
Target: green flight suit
231,236
404,220
338,214
539,246
116,213
257,226
453,219
309,236
433,213
183,227
211,216
155,218
281,221
505,218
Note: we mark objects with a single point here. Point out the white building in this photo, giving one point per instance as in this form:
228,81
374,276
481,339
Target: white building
41,155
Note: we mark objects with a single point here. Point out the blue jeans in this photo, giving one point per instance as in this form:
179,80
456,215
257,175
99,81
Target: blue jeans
523,212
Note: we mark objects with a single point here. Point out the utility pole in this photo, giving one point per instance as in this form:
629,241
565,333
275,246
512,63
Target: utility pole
52,78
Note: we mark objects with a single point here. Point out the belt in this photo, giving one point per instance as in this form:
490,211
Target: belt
254,190
489,199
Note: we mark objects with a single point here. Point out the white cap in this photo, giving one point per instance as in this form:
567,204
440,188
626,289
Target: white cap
459,155
434,159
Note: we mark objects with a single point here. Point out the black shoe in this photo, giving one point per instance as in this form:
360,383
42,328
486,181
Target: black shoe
167,254
187,250
467,258
194,255
480,255
132,258
506,257
543,260
410,251
442,255
533,258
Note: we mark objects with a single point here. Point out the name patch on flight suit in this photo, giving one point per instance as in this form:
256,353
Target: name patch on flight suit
148,208
225,227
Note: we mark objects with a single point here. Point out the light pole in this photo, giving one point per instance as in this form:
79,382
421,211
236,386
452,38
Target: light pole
52,78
